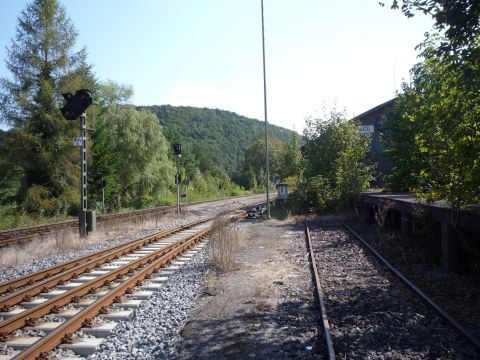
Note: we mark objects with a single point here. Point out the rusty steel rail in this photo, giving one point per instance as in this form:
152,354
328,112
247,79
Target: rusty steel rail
325,324
23,235
144,267
33,284
74,266
424,297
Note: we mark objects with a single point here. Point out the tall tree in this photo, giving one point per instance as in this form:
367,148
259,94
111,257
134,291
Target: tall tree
139,145
44,64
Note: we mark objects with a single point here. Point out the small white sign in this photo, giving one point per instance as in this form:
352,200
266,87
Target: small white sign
77,141
366,129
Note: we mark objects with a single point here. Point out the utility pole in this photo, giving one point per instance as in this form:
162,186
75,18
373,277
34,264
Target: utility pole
267,175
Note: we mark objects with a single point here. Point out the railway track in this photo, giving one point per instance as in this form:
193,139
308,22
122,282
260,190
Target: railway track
27,234
47,309
359,297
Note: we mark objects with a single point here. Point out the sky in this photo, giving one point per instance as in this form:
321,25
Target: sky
208,53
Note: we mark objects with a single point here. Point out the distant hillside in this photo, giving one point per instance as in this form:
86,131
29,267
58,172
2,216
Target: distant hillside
221,135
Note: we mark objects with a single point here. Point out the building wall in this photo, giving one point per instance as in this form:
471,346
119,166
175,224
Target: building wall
373,117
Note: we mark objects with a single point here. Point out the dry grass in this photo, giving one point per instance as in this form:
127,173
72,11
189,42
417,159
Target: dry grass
64,241
223,244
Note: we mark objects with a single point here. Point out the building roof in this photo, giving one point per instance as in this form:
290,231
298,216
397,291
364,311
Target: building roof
376,108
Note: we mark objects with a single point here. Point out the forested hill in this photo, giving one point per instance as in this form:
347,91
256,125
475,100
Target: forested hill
219,135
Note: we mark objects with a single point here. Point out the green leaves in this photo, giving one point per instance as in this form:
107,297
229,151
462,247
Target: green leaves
432,133
335,168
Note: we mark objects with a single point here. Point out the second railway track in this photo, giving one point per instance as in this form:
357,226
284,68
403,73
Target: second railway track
27,234
372,314
88,289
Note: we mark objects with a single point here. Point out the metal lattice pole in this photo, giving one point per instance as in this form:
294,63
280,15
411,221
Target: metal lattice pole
178,184
82,219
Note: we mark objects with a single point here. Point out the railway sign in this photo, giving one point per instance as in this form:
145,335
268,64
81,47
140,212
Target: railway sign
77,141
366,129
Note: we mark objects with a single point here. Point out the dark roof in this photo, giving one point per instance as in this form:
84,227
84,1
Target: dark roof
378,107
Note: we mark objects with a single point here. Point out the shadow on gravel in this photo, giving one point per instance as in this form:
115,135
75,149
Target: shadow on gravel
281,334
371,314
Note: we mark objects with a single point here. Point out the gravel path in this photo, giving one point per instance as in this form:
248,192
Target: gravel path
264,309
372,315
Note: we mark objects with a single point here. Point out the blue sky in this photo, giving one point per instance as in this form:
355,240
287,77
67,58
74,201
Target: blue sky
208,53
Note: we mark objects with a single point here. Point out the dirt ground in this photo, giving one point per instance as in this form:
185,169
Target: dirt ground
265,308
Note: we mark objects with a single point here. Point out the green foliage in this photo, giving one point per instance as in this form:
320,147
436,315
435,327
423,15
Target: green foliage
43,66
291,163
458,20
436,120
112,93
217,137
336,168
138,144
254,162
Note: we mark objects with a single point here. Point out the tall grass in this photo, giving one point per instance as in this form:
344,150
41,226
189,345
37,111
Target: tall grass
223,244
65,241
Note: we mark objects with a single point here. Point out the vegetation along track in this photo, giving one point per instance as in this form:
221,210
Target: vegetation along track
372,313
52,309
23,235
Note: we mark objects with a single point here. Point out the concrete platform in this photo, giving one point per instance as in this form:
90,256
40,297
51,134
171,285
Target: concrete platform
84,347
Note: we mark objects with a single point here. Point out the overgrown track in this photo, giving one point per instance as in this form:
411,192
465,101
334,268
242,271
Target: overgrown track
23,235
117,272
316,277
424,297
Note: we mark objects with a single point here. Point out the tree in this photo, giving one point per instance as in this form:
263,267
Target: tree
438,117
290,159
336,167
254,161
43,65
458,20
139,145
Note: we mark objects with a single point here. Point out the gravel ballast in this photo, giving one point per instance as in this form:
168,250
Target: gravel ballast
372,315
